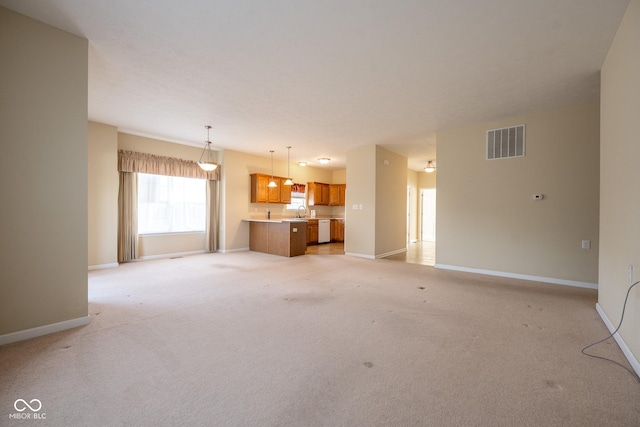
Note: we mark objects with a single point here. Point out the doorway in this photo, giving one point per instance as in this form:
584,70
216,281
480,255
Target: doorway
428,215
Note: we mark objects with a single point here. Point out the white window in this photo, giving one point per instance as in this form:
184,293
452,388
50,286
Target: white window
169,204
297,199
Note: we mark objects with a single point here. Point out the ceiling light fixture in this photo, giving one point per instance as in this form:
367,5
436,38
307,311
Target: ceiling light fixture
430,167
324,160
208,164
288,181
272,183
303,164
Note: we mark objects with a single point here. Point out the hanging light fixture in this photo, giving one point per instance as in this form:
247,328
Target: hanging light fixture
289,181
430,167
272,183
207,164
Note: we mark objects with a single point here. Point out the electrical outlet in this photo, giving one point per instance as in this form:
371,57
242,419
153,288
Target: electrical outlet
586,244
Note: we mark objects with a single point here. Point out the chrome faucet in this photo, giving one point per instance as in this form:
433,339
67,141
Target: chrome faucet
305,211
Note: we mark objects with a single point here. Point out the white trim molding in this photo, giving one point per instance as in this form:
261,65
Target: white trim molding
623,346
174,255
360,255
103,266
386,254
44,330
519,276
228,251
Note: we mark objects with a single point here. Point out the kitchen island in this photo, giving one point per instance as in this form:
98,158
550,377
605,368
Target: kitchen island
284,237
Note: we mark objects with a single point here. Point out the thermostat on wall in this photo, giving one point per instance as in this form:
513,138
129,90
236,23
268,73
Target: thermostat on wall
538,196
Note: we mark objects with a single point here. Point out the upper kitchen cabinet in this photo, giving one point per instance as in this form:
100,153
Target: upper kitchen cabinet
326,194
318,193
262,193
337,194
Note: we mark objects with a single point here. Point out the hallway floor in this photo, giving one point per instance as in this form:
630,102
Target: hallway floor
417,253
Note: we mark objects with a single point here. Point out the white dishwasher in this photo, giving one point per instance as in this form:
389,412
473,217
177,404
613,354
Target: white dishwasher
324,231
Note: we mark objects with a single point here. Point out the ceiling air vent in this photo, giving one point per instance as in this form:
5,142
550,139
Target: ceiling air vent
506,142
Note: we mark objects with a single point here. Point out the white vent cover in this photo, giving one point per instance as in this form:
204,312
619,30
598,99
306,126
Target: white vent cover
506,142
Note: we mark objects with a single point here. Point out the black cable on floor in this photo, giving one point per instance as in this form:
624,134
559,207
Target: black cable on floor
624,306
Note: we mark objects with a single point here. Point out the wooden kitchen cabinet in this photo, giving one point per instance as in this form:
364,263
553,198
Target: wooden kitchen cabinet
337,194
284,238
312,232
337,230
285,192
318,193
262,193
259,188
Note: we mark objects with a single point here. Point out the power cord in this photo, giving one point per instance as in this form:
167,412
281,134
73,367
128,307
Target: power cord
624,306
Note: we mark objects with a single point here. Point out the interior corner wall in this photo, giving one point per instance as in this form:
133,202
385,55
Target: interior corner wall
487,217
427,180
390,202
619,178
103,195
43,175
360,212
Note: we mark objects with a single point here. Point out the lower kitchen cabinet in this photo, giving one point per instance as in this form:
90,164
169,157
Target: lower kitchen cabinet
337,230
312,232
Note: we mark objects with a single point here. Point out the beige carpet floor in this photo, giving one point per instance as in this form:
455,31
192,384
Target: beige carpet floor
249,339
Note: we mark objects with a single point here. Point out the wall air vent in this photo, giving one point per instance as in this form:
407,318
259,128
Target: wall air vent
506,142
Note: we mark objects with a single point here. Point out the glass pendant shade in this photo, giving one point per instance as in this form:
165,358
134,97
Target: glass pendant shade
430,167
206,161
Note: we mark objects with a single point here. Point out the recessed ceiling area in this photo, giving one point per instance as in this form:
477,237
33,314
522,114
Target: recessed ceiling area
327,76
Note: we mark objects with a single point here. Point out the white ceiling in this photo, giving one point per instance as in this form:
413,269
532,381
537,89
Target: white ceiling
327,76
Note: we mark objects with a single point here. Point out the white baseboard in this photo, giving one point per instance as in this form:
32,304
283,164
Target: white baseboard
173,255
398,251
102,266
360,255
519,276
228,251
623,346
44,330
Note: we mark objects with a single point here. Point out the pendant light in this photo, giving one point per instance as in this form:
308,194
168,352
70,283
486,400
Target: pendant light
272,183
430,167
289,181
207,164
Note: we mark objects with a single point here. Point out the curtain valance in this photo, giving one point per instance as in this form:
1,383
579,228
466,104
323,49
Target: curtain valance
298,188
131,161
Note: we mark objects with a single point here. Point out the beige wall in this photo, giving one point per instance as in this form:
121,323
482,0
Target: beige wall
619,178
378,192
43,175
427,180
390,202
359,233
487,219
103,195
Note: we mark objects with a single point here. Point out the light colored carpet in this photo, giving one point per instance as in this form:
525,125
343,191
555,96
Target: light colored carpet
250,339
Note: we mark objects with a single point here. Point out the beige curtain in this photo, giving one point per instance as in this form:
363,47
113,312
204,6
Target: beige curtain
131,161
213,199
129,164
128,217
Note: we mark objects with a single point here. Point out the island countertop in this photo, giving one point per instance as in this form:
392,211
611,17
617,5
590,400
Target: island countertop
276,220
